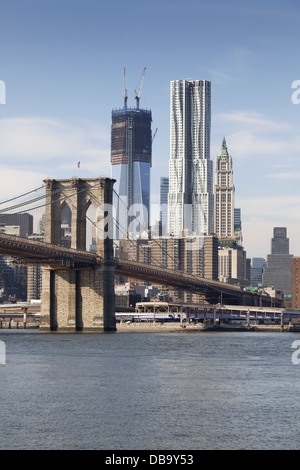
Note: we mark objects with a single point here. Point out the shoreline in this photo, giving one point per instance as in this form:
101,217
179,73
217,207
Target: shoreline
176,328
169,327
149,328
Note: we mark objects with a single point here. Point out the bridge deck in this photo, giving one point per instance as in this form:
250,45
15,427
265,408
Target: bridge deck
27,251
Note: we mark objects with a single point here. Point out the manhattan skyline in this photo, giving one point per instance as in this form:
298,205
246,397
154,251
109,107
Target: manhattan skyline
62,64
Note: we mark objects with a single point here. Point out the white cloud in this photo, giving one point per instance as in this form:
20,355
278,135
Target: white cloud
248,144
250,135
219,77
240,54
38,139
15,182
283,207
35,148
285,176
253,120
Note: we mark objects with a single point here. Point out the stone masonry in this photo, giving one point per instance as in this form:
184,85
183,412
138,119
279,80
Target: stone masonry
79,298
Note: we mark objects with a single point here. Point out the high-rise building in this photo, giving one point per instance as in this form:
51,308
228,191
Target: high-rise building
224,194
256,271
24,222
190,203
163,206
131,160
296,282
34,282
238,226
237,220
278,271
233,265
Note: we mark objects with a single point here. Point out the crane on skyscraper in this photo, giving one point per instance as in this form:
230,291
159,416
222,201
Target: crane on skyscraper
154,135
138,94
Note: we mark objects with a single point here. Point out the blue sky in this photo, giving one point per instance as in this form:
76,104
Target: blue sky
62,63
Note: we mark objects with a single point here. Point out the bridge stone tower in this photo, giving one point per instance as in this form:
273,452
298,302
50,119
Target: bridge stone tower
79,297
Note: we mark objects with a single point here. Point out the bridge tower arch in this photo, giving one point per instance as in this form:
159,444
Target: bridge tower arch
77,297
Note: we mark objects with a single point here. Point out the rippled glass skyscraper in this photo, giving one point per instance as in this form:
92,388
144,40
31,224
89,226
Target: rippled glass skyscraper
190,204
131,160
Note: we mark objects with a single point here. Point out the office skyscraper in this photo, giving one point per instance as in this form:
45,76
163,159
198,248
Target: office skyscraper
237,220
296,282
131,159
257,266
224,194
278,271
163,203
190,204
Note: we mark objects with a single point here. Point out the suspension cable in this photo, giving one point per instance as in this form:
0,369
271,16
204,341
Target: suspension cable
21,195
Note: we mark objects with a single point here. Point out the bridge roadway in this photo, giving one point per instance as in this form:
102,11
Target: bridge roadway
27,251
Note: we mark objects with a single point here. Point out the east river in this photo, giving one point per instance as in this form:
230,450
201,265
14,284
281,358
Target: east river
125,391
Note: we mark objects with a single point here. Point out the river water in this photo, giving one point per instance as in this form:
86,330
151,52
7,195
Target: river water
141,391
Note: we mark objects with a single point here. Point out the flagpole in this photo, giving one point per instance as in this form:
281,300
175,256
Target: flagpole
78,166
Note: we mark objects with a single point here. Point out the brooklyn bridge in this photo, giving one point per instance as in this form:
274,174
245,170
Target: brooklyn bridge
78,285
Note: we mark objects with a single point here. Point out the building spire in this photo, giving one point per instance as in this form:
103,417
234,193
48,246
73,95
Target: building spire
224,155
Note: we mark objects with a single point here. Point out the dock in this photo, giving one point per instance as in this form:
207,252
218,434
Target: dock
20,315
163,316
209,317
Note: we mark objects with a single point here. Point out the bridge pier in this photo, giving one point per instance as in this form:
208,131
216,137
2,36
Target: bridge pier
79,297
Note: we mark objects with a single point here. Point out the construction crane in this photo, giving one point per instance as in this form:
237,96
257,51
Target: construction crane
138,94
125,90
154,135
